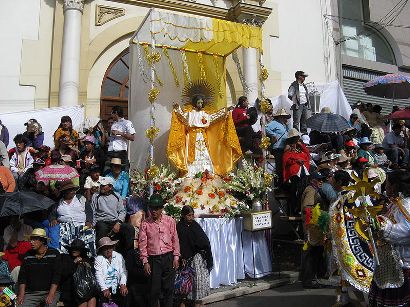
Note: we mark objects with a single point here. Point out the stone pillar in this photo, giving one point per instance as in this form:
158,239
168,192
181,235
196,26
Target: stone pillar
250,71
70,54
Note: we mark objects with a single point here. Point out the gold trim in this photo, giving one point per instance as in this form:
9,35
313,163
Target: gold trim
180,6
104,14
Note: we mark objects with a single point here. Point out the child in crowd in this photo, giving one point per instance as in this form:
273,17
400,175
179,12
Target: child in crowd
92,183
380,157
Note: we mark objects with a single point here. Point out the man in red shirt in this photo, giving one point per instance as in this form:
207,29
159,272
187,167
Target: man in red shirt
243,127
159,249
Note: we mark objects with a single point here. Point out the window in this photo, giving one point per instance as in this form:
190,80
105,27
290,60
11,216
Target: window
114,88
358,39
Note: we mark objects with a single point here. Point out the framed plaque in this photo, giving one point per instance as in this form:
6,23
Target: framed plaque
254,221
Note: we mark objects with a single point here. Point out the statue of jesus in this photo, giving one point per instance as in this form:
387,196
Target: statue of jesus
200,140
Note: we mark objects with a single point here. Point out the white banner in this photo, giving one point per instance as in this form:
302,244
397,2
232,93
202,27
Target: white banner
48,118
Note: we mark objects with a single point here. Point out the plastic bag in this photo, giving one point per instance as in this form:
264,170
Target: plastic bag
184,281
110,303
85,283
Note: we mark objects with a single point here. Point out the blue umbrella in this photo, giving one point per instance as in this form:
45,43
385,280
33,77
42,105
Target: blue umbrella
393,86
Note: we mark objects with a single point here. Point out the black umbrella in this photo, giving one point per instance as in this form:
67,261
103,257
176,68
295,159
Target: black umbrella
19,203
327,122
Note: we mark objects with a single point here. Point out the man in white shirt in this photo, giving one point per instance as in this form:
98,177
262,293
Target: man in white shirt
299,95
122,131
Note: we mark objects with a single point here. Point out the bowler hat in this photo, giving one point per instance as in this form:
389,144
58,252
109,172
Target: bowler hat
156,201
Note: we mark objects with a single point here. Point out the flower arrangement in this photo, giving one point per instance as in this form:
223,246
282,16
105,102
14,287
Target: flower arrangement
249,183
206,194
160,178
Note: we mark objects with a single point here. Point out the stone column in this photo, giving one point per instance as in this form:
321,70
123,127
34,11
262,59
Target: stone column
70,54
250,71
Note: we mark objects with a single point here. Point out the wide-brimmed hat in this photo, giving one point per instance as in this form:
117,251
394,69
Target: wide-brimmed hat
293,133
39,161
39,233
77,245
328,156
317,176
281,112
106,180
156,201
342,159
90,138
365,140
67,185
105,241
116,161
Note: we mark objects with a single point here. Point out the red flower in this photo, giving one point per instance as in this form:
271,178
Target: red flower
178,199
211,195
221,194
157,187
187,189
199,192
203,178
203,120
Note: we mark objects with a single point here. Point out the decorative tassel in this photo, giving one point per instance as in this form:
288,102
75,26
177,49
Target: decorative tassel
315,214
308,215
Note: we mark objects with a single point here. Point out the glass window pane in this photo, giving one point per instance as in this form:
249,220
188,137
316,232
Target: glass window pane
110,88
119,71
126,59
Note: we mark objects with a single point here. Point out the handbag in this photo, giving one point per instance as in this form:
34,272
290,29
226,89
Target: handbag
184,280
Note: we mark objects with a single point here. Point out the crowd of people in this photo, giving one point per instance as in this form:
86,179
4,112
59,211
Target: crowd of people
99,244
315,167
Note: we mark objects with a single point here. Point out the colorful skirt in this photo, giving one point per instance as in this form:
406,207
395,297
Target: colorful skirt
69,232
391,297
200,287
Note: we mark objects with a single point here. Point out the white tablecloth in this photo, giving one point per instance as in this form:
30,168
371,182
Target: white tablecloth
233,253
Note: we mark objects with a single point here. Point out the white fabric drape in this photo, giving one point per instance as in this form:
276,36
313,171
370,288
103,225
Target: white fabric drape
48,118
260,264
232,251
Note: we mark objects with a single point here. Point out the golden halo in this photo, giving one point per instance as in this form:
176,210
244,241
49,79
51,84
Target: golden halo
198,87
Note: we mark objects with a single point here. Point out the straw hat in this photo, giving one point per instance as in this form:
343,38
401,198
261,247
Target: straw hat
293,133
39,233
106,241
281,112
116,161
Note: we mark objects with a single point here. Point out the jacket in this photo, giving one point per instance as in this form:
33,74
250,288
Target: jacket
4,134
14,160
293,94
290,165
